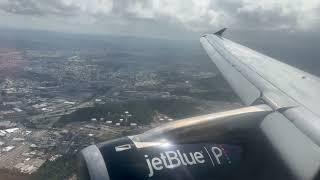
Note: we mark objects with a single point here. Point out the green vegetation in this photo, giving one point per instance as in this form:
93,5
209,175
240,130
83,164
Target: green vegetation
213,95
212,88
175,108
62,168
141,110
7,174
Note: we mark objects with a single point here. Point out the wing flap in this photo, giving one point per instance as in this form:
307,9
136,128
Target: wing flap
300,154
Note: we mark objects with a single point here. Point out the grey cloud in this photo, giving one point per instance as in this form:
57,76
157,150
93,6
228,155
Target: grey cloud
256,18
21,7
267,19
38,8
124,7
143,16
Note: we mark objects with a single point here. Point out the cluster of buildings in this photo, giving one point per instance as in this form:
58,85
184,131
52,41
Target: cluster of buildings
124,120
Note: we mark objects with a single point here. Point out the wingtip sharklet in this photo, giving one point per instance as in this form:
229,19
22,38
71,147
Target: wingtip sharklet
220,32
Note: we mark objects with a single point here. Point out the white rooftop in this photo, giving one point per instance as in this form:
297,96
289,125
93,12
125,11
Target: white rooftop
11,130
8,148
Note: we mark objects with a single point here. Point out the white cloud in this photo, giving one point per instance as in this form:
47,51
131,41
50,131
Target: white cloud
189,15
92,6
291,14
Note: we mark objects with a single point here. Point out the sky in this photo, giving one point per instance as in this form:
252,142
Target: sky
161,18
283,29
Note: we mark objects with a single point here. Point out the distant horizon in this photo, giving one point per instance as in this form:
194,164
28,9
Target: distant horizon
297,49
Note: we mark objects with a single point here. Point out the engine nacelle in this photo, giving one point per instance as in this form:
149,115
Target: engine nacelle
125,159
213,146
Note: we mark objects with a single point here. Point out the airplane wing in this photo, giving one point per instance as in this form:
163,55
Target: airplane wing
275,136
294,127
